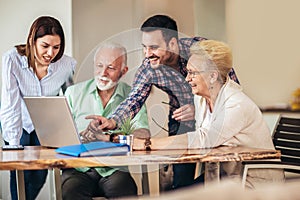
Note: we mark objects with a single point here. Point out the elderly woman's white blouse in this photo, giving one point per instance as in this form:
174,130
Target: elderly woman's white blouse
235,120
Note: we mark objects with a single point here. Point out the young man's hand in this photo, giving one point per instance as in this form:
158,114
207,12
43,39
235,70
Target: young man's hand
100,123
184,113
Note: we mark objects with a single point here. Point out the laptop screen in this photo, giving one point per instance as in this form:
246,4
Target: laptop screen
52,120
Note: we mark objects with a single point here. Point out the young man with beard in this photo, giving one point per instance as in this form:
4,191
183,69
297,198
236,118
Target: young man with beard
101,95
164,66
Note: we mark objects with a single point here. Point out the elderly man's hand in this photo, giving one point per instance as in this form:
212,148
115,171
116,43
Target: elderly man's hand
87,136
184,113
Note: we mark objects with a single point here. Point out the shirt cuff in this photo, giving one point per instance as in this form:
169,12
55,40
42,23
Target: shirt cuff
193,140
116,119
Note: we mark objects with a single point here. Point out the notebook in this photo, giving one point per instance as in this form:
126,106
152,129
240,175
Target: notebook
52,120
98,148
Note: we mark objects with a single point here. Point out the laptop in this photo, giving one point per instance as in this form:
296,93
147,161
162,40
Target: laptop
52,120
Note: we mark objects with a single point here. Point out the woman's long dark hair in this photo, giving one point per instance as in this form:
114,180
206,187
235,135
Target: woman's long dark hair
44,25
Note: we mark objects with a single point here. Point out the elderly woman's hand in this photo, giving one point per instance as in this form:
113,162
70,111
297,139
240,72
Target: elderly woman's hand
184,113
138,144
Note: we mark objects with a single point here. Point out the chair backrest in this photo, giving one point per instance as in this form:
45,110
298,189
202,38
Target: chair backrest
286,138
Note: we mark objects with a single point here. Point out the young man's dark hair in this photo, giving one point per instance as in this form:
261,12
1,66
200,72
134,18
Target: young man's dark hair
166,24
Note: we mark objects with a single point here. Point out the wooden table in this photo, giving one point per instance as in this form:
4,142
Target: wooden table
44,158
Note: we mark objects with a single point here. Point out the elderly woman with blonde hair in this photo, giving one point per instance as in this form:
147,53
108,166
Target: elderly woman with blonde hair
224,114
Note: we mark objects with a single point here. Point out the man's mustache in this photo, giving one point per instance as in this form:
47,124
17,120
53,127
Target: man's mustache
153,56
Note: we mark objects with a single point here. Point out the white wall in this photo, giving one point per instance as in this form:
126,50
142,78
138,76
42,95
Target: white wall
264,36
210,19
265,39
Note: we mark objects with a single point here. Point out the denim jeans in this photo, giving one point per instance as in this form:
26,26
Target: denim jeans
34,179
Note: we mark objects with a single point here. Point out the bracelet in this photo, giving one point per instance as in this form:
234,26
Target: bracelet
147,144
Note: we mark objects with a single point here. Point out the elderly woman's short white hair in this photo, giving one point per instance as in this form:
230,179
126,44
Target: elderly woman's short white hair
218,55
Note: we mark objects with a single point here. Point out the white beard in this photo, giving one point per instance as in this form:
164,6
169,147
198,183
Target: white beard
102,86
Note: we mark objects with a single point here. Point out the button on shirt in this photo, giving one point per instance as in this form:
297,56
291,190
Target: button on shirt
19,80
84,100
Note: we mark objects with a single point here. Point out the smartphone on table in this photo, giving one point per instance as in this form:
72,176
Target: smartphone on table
12,147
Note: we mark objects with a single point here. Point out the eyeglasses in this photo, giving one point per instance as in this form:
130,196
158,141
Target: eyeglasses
194,73
175,107
157,124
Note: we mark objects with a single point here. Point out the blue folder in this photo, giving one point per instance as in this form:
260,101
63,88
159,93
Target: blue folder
98,148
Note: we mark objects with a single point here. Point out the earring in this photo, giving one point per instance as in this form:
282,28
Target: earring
211,84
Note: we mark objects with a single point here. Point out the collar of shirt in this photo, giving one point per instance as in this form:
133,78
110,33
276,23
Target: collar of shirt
24,63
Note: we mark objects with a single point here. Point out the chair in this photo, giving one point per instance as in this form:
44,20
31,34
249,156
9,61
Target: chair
286,138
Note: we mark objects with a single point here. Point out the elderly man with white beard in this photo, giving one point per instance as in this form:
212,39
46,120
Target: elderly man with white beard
101,95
